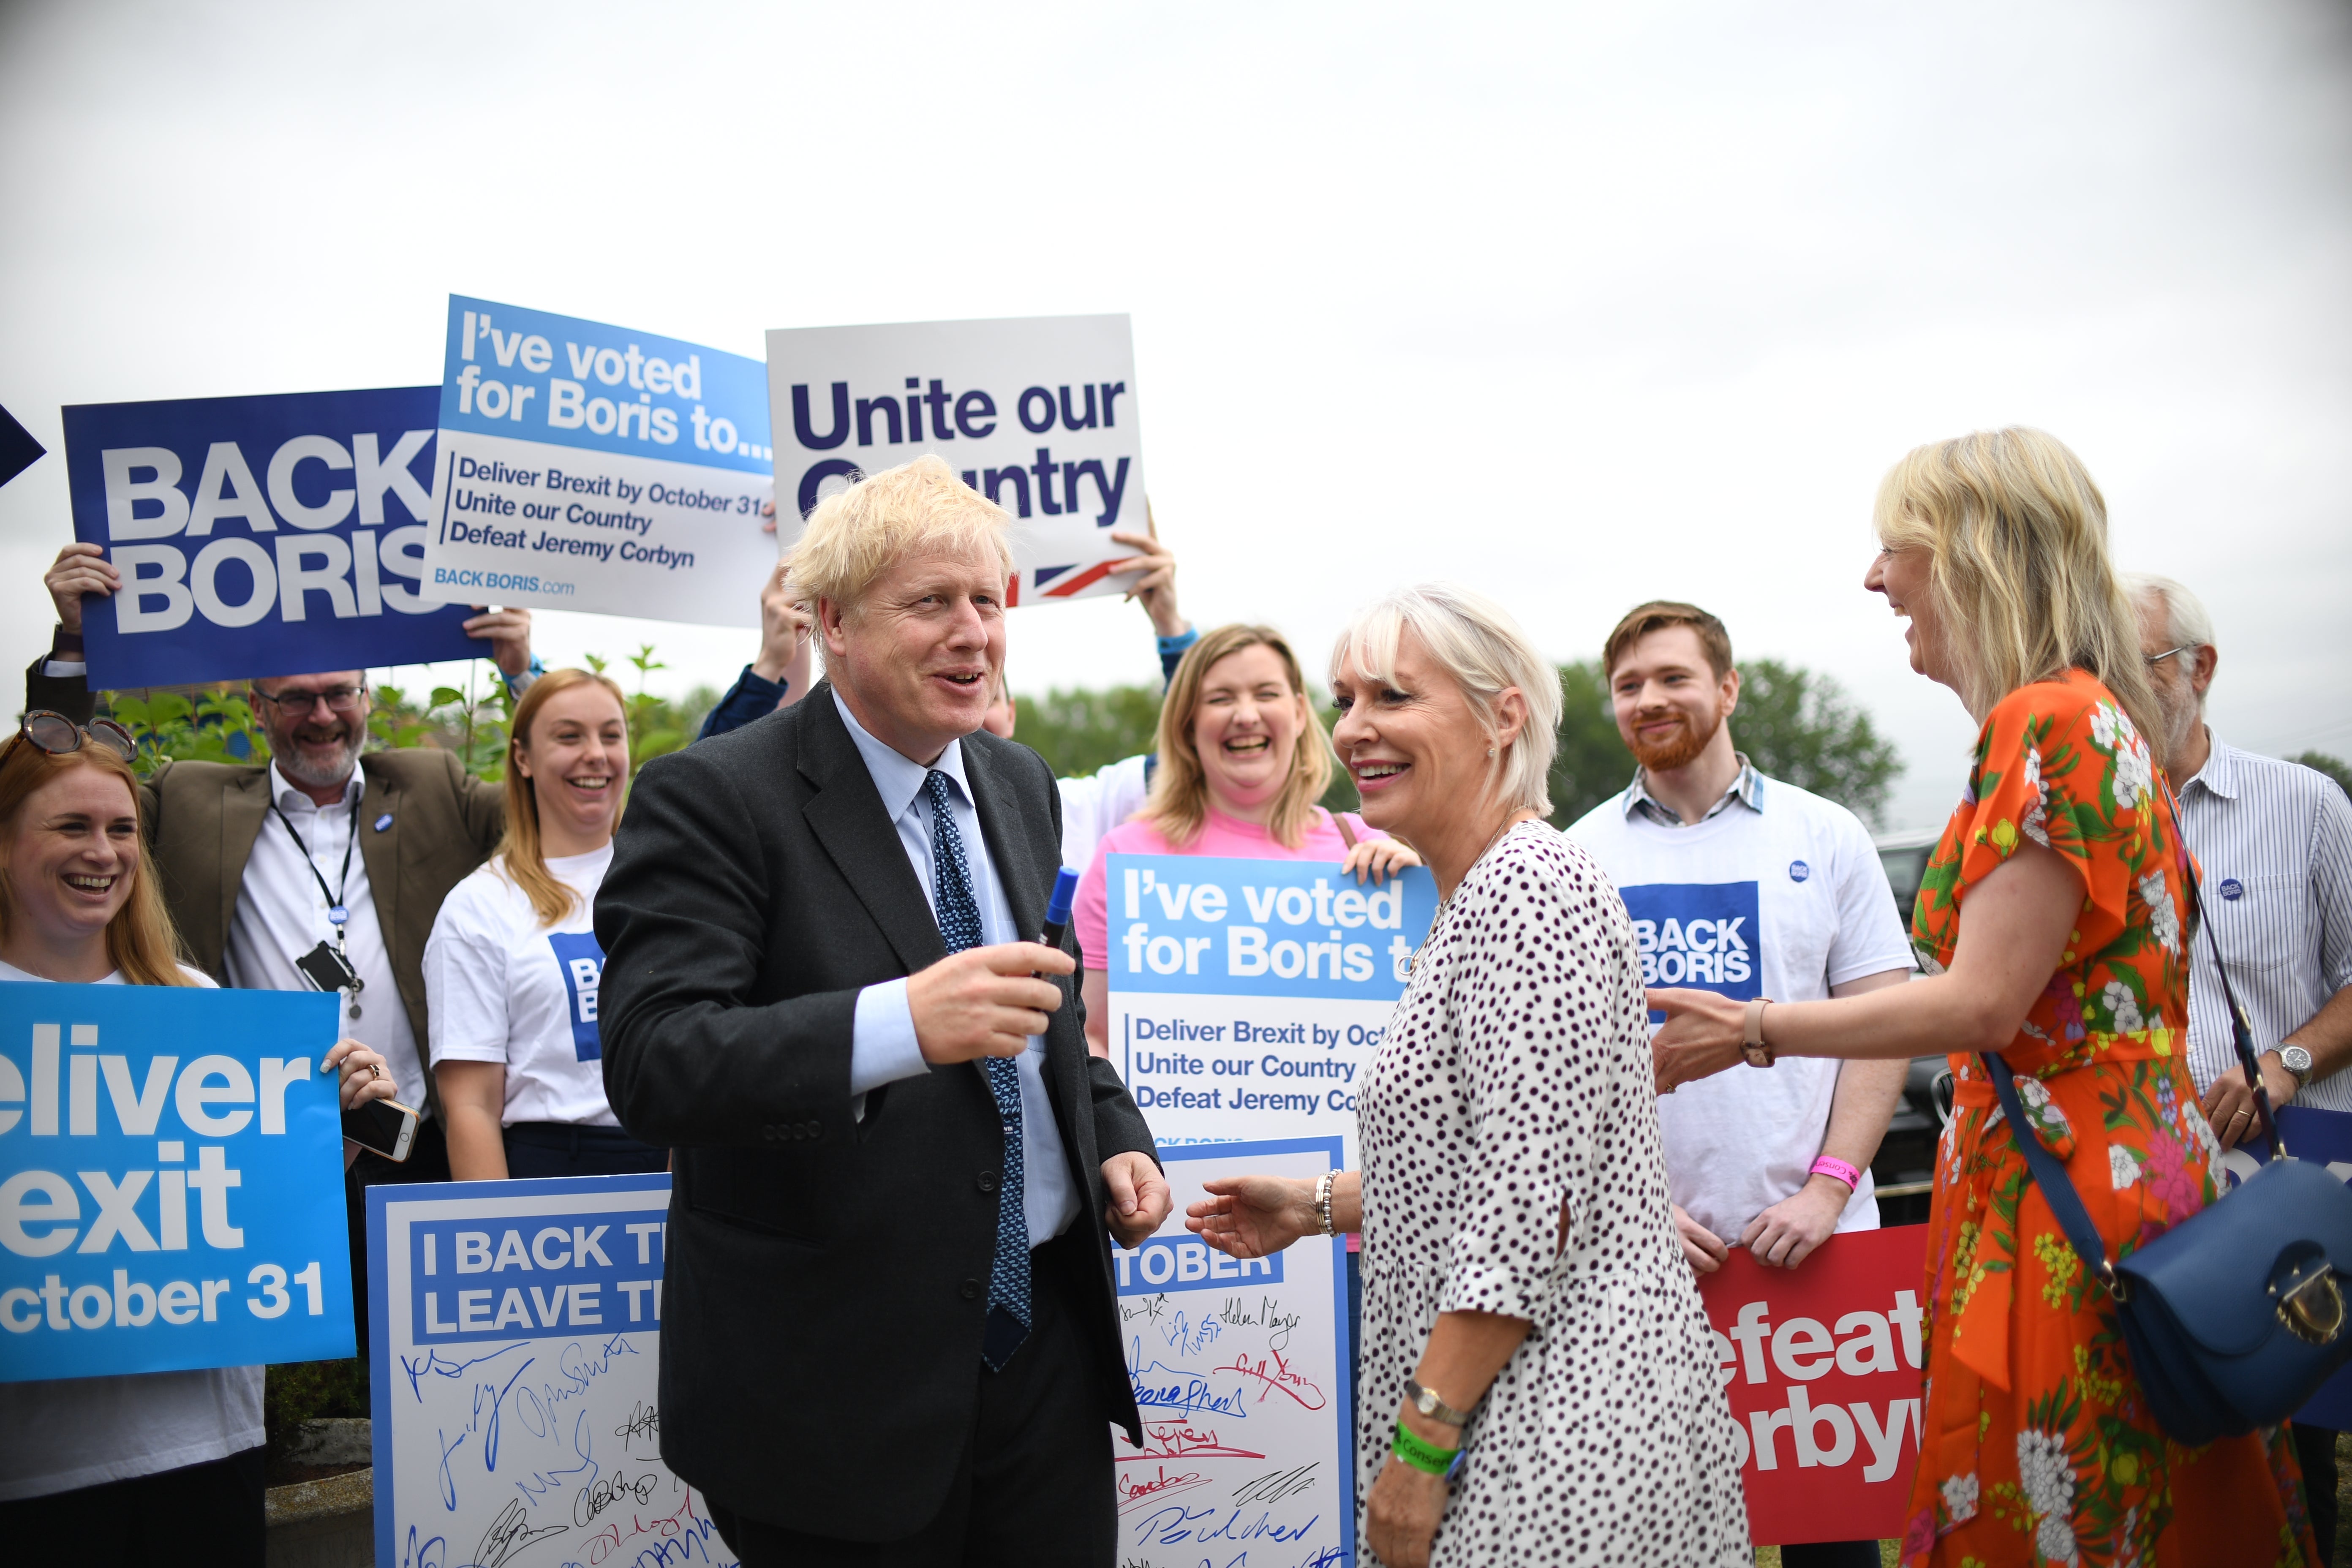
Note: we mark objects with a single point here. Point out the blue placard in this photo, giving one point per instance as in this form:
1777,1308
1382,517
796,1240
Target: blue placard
1199,925
171,1181
531,375
259,536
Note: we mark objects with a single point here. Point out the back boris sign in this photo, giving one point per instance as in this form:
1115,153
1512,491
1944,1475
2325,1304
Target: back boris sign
260,536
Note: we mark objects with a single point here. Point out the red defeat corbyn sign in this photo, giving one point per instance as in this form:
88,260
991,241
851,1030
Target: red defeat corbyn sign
1823,1365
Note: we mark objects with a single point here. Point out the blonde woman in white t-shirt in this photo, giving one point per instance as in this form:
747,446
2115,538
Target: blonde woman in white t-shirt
150,1466
511,970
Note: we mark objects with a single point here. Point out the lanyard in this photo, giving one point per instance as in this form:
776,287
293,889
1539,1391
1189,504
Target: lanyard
337,910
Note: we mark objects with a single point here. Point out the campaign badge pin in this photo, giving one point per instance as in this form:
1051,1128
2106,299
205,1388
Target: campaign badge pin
383,822
2231,888
1798,870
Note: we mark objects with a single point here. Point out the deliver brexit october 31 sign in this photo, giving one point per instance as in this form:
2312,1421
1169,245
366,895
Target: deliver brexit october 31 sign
587,467
1248,996
1038,415
260,536
171,1181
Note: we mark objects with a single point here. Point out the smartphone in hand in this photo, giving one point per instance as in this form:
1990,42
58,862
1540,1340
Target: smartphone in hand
384,1126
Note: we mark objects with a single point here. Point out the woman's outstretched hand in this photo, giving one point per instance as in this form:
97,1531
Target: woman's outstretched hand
1253,1217
1379,858
1701,1037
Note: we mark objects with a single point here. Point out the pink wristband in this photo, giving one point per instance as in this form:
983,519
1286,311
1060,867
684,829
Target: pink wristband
1831,1165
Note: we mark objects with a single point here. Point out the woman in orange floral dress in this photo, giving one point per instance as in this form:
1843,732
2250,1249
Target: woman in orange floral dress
2054,926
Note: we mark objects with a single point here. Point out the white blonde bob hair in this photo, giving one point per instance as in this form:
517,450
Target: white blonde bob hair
1480,648
922,507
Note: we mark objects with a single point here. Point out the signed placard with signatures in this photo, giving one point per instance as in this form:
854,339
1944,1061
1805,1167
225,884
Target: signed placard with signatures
516,1342
1240,1370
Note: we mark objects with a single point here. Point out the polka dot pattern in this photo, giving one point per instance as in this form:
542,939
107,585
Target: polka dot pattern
1511,1164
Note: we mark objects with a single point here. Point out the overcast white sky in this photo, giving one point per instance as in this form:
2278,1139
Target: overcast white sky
1579,304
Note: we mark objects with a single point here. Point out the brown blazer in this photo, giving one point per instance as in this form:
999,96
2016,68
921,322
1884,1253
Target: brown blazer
202,819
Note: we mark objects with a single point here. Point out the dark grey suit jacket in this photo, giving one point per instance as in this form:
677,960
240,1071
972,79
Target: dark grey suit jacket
825,1281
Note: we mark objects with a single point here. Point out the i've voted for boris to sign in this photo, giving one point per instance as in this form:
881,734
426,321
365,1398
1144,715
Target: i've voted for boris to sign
259,536
590,467
1248,998
171,1181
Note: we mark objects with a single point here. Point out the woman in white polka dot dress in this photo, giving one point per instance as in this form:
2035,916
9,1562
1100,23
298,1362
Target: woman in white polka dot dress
1538,1384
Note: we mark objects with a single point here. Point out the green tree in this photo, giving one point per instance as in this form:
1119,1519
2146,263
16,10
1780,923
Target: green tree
2336,768
1799,724
1079,732
1590,763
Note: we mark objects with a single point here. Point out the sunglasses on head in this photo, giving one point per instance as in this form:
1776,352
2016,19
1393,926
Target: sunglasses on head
58,735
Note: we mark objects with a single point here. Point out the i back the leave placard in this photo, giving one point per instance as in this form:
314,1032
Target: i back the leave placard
1824,1366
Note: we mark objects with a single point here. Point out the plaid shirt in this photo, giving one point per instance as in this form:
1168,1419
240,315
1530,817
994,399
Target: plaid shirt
1747,789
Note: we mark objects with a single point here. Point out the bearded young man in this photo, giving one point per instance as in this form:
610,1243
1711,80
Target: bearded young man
1751,886
321,847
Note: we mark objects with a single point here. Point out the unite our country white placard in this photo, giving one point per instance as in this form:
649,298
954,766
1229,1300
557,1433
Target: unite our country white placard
1041,415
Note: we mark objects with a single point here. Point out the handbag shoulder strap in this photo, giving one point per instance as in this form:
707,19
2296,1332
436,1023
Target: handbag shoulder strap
1340,821
2241,1029
2057,1189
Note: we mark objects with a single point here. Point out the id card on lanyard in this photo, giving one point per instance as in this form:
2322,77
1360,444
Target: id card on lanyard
330,968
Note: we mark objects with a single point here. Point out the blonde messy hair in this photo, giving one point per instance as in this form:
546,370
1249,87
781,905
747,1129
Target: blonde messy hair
921,507
1480,648
2016,537
1178,807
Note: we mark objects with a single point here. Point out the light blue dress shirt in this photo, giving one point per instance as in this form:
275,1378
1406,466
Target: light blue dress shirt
882,1047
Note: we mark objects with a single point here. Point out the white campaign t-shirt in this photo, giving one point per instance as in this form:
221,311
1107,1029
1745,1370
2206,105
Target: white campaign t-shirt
1783,901
70,1433
501,987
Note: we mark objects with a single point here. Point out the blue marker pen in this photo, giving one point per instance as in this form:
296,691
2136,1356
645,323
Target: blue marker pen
1057,908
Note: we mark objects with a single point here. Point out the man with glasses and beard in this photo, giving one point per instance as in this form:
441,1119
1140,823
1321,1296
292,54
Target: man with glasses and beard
2274,846
322,857
1751,886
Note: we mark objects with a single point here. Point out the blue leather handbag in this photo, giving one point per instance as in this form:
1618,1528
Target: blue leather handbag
2234,1317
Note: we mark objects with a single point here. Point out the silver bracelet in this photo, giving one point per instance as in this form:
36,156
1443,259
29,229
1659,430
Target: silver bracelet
1323,1200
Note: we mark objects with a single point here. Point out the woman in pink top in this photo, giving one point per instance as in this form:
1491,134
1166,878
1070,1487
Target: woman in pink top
1242,762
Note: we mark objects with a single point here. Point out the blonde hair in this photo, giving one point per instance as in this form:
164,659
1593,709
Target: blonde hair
2018,569
1178,807
916,509
1480,648
140,941
520,860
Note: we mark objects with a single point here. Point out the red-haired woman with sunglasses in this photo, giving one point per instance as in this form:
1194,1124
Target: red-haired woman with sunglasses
156,1466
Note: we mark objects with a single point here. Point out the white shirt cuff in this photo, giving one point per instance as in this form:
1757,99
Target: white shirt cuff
882,1046
63,670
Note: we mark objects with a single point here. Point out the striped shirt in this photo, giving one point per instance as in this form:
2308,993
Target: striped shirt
2273,846
1747,790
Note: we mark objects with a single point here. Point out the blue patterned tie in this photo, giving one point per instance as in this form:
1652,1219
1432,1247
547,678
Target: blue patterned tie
959,918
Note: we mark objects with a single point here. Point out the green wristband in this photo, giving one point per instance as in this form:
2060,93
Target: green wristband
1421,1454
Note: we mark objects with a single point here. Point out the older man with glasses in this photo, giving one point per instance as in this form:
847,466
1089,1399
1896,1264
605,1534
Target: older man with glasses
320,869
2274,840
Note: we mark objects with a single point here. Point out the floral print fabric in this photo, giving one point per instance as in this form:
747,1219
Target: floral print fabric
2038,1447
